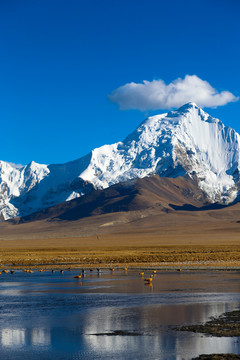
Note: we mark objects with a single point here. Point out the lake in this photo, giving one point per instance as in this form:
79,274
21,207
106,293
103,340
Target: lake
113,315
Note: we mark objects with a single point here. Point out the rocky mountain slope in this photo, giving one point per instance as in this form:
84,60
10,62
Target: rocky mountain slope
185,142
155,193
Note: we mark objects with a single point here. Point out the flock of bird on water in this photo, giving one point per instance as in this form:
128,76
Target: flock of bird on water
147,280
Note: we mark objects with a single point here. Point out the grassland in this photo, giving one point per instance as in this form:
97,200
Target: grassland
79,252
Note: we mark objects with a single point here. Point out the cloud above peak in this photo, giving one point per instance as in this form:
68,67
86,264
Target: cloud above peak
156,94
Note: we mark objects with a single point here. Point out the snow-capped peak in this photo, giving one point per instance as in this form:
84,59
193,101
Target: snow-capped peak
187,140
184,141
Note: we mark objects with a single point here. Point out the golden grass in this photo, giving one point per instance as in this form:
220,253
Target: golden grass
198,255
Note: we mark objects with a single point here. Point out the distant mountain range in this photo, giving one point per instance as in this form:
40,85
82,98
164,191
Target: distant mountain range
183,157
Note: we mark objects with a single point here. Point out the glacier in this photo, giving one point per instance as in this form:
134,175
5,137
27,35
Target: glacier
183,142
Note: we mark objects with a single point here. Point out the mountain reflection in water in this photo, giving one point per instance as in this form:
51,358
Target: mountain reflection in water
48,316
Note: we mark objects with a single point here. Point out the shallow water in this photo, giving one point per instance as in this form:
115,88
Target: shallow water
53,316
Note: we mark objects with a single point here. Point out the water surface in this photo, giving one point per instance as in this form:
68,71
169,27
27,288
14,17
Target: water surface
53,316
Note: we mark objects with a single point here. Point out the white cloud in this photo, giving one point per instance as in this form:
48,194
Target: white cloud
154,95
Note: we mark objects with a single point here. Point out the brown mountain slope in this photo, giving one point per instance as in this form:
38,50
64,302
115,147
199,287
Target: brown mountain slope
140,194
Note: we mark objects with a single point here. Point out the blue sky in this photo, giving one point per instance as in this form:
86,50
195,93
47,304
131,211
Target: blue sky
60,59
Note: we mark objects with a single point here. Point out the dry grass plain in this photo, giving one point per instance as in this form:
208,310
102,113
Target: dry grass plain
151,238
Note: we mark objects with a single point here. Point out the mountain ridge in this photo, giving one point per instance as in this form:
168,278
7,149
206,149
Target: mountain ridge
186,141
133,196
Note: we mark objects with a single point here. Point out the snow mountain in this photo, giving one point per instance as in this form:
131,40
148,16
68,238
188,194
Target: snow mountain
185,142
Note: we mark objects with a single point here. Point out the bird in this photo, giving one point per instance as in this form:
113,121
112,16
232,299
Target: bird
78,276
61,271
148,280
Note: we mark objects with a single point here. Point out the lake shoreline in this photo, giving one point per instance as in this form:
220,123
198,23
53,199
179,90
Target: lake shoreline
217,357
147,267
227,324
